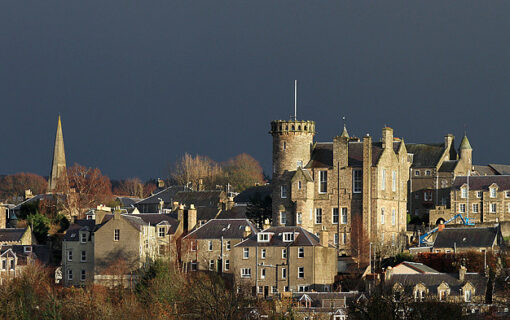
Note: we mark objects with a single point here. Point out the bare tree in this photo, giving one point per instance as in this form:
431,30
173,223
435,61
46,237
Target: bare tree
192,171
132,187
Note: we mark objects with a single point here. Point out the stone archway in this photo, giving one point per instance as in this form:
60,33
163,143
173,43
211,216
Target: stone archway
440,221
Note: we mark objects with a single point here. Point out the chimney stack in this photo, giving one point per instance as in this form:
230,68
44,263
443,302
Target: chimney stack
266,224
324,240
387,137
388,274
247,232
462,273
175,205
192,217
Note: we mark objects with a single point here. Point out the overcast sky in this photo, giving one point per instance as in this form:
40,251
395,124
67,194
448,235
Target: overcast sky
140,83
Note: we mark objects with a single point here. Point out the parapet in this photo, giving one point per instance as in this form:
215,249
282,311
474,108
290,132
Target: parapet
296,126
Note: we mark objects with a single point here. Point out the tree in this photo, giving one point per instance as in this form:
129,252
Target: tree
194,171
85,188
243,171
40,226
148,189
132,187
12,187
259,209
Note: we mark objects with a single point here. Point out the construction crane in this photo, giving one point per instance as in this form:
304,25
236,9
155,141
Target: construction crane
465,221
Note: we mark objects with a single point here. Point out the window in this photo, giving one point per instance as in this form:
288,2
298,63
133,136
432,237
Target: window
479,194
393,239
274,290
300,163
467,295
442,295
284,273
299,218
493,192
83,257
69,274
302,288
462,207
417,172
70,255
301,272
193,245
463,193
393,217
12,264
209,245
116,235
262,253
283,192
286,289
323,181
394,181
211,265
357,181
344,238
262,273
260,289
344,215
4,264
318,215
427,172
418,295
246,253
382,215
301,252
83,275
335,216
299,185
161,231
283,218
507,194
194,266
335,241
427,195
475,207
493,208
284,146
284,253
227,265
383,179
245,273
263,237
288,236
83,237
227,245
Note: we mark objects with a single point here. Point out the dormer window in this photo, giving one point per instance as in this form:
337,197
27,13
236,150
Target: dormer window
467,295
463,192
27,249
83,237
492,192
263,237
417,172
479,194
288,236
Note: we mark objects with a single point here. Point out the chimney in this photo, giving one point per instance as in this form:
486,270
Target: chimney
3,216
230,203
266,224
448,141
200,185
116,215
462,273
28,194
247,232
192,217
175,205
100,216
161,183
387,137
388,274
180,213
324,240
340,151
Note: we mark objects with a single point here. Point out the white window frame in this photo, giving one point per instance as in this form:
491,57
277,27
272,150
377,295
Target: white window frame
211,265
246,253
299,163
323,181
263,237
507,194
83,275
262,273
416,172
70,255
427,172
209,245
194,265
335,215
284,273
462,208
479,194
301,252
318,215
357,180
83,256
299,218
301,272
344,238
492,192
463,192
475,207
161,232
383,179
393,217
227,245
263,253
383,218
493,207
288,236
344,215
335,239
467,296
69,274
83,237
227,265
393,180
283,191
246,273
284,253
283,218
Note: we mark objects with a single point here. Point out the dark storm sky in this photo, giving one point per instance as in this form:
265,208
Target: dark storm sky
140,83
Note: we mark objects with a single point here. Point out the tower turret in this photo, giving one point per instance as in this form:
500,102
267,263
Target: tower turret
58,166
292,144
465,151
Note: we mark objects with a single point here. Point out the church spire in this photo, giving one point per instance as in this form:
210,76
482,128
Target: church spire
345,134
58,166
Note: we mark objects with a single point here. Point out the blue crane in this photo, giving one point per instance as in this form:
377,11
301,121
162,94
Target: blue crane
465,221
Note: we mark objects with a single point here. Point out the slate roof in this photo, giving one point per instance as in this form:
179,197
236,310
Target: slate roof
448,165
167,195
237,212
483,170
226,228
418,267
156,218
322,154
39,252
303,238
36,198
126,202
11,234
207,213
248,194
425,155
466,237
432,281
317,297
200,198
501,169
482,182
74,229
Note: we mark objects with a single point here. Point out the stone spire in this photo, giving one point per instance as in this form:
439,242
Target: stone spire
345,134
464,144
58,167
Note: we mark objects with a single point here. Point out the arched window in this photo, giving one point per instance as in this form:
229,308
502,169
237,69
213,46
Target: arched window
293,128
306,128
299,128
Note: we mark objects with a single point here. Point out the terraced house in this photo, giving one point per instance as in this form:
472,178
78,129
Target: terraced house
354,189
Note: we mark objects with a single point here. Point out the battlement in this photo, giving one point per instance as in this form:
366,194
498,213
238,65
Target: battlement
294,126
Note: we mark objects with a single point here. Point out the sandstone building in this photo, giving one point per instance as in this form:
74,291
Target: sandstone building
354,189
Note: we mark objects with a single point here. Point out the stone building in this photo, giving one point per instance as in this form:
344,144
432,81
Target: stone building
285,259
434,167
480,239
486,199
354,189
15,258
210,246
17,236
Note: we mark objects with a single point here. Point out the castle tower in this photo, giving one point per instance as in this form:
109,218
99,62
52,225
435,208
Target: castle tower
466,153
58,166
